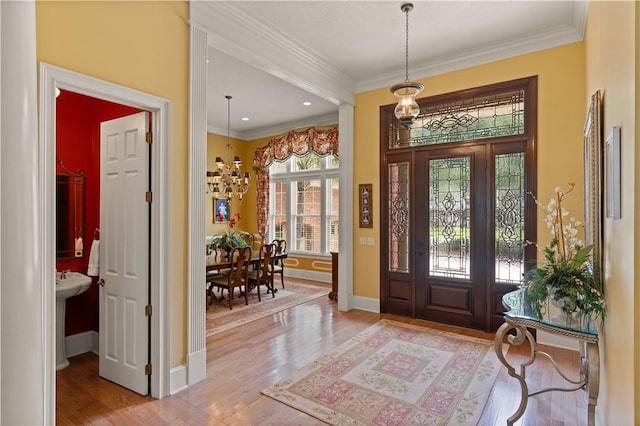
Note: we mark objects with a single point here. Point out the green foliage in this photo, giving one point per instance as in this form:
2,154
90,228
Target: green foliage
228,241
566,275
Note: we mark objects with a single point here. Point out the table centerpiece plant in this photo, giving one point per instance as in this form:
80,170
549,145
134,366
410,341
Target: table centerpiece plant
566,277
229,240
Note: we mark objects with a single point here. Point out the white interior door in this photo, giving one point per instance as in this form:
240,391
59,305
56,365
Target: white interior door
124,251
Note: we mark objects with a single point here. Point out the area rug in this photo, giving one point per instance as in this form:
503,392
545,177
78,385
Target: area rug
220,318
396,374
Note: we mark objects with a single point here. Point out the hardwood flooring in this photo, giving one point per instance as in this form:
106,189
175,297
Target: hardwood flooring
244,360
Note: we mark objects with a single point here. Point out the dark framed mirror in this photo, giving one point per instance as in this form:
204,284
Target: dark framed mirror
69,216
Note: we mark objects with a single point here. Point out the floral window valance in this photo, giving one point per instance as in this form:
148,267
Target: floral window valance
296,142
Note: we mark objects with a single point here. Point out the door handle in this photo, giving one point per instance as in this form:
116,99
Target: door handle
101,282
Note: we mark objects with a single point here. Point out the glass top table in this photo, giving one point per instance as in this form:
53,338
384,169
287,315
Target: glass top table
519,309
519,319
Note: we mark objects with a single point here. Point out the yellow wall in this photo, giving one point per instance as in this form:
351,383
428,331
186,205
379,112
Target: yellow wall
561,114
118,42
612,50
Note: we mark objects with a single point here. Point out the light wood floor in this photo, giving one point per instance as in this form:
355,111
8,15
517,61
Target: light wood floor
243,361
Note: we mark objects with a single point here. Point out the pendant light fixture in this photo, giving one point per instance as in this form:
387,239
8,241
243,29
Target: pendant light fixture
407,109
228,177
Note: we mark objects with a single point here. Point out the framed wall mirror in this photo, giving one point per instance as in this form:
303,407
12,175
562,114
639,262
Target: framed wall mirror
69,216
593,177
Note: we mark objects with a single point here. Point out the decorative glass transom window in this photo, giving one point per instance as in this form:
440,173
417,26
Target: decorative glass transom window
473,118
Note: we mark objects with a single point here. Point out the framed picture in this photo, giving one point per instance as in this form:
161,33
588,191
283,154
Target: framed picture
221,211
365,209
593,182
612,168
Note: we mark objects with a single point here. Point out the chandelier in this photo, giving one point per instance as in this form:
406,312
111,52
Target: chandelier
407,109
227,181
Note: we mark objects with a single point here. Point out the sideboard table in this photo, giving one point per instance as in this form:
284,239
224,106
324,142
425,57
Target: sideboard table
520,317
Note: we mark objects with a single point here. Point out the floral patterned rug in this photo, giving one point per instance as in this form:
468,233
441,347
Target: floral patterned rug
220,318
396,374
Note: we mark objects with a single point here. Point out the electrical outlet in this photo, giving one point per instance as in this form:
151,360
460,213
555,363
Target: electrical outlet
363,241
371,241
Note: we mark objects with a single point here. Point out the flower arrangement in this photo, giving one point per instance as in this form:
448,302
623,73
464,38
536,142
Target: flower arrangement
566,277
231,239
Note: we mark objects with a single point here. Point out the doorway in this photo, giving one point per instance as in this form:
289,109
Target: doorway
455,188
52,78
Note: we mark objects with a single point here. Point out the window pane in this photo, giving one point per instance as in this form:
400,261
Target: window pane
509,213
333,162
449,203
399,217
333,204
307,215
278,167
278,210
309,161
474,118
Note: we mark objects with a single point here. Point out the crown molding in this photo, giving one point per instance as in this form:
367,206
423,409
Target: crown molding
270,50
278,129
579,11
470,58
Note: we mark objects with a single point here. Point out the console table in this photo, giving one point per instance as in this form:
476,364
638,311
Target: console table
520,317
333,294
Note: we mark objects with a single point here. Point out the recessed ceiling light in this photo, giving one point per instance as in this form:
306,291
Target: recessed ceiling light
245,118
306,103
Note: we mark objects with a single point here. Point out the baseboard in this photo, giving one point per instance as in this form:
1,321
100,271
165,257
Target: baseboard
81,343
178,379
368,304
543,338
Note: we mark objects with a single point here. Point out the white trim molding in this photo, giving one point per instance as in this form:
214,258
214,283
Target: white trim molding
28,351
196,329
52,77
345,248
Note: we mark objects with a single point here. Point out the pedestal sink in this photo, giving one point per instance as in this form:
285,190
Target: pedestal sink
72,284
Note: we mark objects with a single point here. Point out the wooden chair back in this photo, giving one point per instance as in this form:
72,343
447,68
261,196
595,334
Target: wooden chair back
240,257
278,264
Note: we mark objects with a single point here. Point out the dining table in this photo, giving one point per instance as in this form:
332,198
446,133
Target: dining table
217,261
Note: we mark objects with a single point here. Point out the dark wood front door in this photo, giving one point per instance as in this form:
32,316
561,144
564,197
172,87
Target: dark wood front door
455,218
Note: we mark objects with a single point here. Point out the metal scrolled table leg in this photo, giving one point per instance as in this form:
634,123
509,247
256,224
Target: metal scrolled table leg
522,334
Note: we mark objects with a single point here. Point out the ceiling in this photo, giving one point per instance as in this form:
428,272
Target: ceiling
273,55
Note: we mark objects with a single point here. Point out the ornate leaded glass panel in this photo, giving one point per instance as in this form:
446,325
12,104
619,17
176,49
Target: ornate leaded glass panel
509,217
449,216
399,217
473,118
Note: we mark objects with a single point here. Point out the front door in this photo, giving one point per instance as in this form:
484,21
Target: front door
455,206
124,252
450,228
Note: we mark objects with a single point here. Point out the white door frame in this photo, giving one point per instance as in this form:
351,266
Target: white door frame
50,78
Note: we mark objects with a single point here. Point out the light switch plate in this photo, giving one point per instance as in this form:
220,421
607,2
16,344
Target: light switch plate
363,241
371,241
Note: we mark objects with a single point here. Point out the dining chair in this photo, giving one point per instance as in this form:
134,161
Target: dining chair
236,276
263,274
278,264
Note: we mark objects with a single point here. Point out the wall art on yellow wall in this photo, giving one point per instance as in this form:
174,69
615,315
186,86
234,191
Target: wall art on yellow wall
365,211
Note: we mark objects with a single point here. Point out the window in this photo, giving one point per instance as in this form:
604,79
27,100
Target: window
303,205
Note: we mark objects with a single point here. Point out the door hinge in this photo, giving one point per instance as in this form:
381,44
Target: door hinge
147,369
147,310
148,196
148,137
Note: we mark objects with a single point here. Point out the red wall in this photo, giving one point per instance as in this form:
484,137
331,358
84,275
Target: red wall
78,120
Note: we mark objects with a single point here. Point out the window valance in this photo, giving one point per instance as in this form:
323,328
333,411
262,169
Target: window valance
296,142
